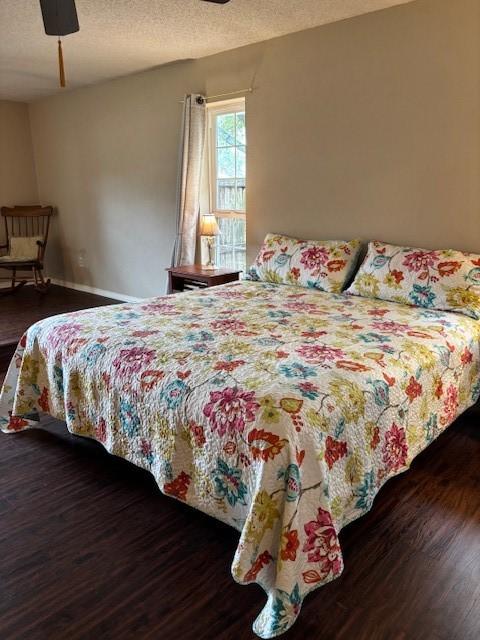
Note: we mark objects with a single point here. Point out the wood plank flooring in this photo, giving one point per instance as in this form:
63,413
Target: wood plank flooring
20,310
91,550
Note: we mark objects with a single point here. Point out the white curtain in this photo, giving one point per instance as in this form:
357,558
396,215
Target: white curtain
191,158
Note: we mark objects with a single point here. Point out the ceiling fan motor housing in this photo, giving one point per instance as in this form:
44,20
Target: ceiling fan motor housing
59,17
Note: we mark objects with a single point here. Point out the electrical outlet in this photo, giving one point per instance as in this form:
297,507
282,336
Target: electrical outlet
82,258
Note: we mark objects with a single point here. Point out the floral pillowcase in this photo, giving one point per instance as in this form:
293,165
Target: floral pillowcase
446,280
325,265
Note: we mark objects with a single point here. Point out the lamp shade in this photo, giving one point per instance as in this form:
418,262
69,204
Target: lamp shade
209,226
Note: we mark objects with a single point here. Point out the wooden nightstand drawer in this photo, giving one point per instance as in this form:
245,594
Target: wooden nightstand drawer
188,278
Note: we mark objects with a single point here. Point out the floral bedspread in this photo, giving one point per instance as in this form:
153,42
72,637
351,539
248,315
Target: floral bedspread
278,410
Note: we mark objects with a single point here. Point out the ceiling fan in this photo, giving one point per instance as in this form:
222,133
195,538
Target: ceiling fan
60,19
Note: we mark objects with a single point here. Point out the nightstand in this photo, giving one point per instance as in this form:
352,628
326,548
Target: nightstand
191,277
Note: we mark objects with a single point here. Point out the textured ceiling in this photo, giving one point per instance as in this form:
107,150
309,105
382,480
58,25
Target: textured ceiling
118,37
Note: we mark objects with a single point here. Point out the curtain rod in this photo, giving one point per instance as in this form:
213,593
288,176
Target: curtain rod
224,95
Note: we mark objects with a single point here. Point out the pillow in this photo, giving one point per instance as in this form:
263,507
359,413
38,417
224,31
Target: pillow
443,279
325,265
24,248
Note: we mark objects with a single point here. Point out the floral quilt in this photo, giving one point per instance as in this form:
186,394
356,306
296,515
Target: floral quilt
280,411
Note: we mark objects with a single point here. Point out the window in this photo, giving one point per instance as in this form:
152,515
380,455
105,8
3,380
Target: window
227,178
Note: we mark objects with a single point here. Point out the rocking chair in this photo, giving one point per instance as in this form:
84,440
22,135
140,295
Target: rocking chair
26,230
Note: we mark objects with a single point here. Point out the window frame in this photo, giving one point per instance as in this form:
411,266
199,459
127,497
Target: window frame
214,109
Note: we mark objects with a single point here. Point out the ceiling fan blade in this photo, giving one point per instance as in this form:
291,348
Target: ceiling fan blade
59,17
217,1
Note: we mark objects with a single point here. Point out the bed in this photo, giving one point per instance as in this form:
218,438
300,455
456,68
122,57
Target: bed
278,410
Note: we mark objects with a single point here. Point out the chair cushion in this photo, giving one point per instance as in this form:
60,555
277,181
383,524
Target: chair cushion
23,249
8,260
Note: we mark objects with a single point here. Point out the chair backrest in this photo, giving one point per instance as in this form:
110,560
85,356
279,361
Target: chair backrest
26,222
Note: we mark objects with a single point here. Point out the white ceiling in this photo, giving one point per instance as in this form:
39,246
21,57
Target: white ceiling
118,37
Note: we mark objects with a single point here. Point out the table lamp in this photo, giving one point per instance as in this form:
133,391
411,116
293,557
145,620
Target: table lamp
208,230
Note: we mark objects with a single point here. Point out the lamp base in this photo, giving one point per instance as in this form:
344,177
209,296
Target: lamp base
208,253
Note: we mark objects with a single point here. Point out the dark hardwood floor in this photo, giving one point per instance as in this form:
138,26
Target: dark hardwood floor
26,306
91,550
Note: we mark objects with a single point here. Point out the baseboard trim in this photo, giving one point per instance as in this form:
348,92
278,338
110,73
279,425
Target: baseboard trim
99,292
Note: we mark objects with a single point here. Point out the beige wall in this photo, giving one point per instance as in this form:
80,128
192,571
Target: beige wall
18,183
366,128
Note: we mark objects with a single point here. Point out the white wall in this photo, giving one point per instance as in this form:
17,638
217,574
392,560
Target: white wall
18,183
366,128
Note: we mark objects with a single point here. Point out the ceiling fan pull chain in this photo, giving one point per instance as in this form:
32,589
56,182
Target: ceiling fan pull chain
61,68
